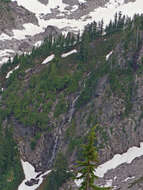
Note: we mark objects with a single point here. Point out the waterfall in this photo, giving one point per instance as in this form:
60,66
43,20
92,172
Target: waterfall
72,109
54,149
56,143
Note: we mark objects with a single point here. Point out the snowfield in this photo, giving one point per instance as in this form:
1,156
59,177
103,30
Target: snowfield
107,13
75,25
36,7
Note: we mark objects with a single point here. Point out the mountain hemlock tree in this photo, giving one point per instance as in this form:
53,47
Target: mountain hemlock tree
88,165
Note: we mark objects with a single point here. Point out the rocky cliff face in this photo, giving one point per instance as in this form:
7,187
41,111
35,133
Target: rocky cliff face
13,16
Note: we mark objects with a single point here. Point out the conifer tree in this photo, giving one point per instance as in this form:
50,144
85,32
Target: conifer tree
84,47
88,165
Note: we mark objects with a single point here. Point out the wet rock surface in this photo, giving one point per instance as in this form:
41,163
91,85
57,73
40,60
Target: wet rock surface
32,182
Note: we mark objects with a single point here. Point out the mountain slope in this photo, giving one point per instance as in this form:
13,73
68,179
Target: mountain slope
51,107
66,15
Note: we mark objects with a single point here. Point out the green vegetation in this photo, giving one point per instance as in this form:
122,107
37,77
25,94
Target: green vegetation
5,1
11,173
90,85
59,175
88,164
37,96
121,82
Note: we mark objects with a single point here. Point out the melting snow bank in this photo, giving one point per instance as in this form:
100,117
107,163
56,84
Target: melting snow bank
48,59
30,174
119,159
10,72
69,53
116,161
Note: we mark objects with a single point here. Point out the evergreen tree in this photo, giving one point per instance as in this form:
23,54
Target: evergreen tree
115,20
84,46
94,30
88,165
101,27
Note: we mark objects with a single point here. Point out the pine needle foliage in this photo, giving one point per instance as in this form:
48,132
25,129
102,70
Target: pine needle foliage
88,165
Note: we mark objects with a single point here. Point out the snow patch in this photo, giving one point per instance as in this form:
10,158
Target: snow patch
68,53
4,37
108,183
4,60
5,52
78,182
115,3
10,72
29,170
39,8
82,1
48,59
4,55
108,55
29,30
38,44
30,173
57,4
128,178
119,159
34,6
74,8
